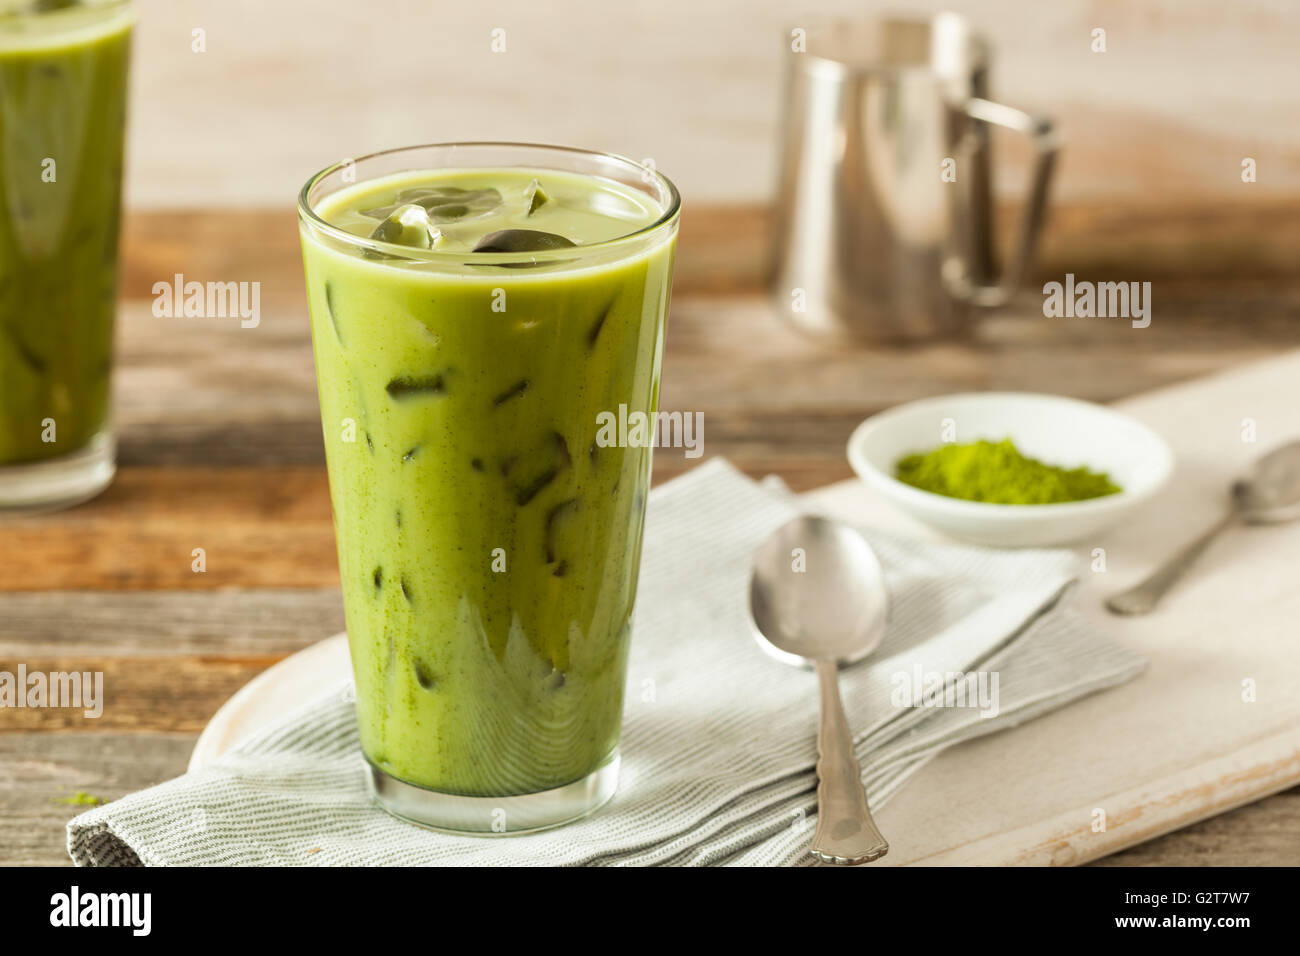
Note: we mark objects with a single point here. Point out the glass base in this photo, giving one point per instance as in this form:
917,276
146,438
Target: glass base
496,816
59,482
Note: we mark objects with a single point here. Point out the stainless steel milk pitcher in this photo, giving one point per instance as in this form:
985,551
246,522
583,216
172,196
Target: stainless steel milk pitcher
883,216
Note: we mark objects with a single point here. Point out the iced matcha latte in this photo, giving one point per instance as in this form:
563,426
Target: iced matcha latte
474,310
63,76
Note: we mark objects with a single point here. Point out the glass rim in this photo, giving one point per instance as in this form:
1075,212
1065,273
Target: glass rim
59,24
309,216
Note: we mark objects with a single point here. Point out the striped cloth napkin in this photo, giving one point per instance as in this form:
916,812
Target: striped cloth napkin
719,740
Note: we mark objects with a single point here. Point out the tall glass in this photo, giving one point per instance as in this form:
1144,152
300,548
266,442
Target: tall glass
489,537
63,92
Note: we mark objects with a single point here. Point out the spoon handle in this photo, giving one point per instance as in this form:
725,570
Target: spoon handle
845,832
1143,598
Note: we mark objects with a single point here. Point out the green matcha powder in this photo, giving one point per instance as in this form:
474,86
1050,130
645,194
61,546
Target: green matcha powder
997,472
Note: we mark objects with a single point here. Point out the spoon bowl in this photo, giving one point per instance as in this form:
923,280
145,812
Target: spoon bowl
818,592
1271,493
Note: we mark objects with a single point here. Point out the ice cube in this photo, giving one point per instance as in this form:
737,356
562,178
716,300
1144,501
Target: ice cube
522,240
408,225
535,197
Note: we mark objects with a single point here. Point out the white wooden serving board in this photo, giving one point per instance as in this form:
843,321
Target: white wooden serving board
1176,745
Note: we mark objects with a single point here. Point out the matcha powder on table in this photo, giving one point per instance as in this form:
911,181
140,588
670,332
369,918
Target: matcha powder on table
998,473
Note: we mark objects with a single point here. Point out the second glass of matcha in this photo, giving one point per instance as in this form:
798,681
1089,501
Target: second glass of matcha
480,313
63,100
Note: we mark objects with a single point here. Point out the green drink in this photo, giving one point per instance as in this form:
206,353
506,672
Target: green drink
475,309
63,91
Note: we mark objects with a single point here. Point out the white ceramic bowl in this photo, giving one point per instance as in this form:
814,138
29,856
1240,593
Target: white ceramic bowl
1059,431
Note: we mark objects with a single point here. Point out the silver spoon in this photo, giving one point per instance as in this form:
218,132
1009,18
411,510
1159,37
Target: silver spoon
1270,494
831,612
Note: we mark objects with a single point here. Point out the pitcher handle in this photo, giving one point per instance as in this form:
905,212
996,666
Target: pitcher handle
1042,135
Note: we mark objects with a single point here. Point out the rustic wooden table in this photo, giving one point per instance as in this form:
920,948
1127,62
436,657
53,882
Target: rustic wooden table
221,450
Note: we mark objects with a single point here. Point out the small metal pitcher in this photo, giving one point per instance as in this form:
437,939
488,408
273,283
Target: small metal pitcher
883,216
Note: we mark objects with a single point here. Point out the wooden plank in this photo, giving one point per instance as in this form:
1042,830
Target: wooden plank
167,694
69,624
1265,833
38,771
1158,806
221,444
259,527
